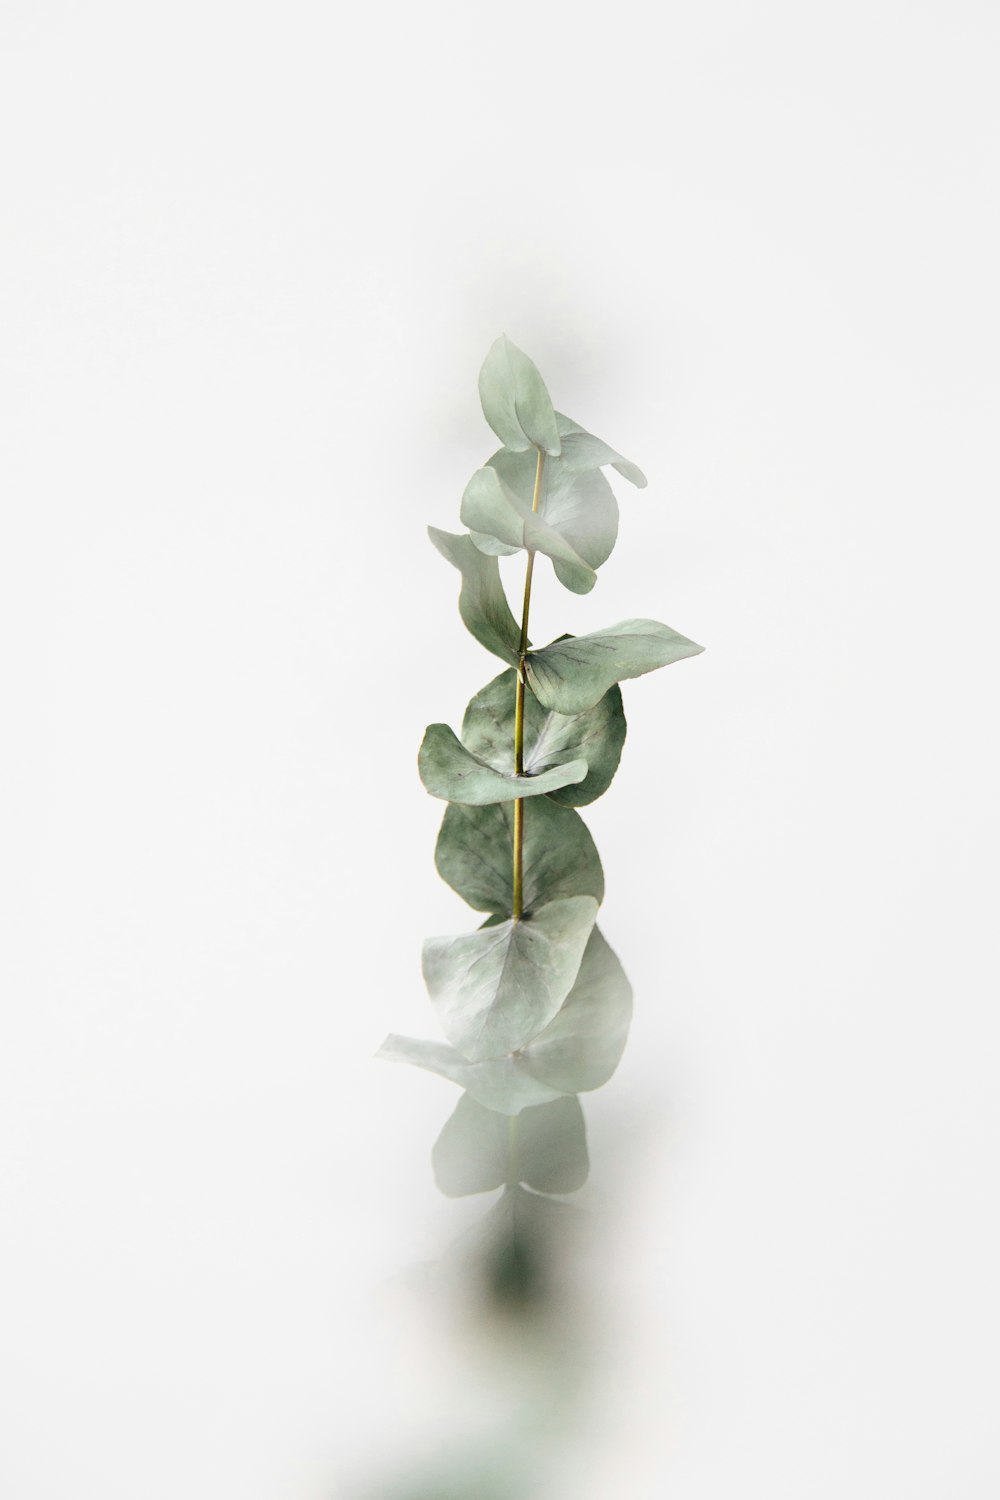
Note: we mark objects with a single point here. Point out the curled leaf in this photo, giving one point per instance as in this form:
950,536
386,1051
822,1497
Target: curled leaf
574,673
595,736
482,602
450,771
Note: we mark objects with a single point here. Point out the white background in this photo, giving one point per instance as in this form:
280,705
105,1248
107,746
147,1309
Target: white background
252,258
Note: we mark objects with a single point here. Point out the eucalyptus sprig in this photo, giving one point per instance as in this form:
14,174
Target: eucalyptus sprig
534,1004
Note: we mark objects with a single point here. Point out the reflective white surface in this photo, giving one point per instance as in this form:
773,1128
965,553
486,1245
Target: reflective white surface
251,260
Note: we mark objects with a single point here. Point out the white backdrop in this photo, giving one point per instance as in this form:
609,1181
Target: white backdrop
252,258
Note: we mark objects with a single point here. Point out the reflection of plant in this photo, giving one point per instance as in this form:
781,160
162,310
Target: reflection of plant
534,1004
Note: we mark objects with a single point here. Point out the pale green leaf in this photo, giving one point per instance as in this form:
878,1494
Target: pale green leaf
549,1149
577,1051
573,674
449,770
580,507
471,1153
496,988
550,739
515,401
545,1148
501,1083
475,853
500,520
482,602
582,1045
582,451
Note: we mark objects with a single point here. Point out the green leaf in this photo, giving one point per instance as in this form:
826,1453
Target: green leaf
582,1045
577,1051
449,770
496,988
580,507
501,522
572,675
515,401
582,451
475,853
482,602
479,1150
550,739
500,1083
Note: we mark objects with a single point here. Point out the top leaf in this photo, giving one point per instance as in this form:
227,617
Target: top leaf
515,401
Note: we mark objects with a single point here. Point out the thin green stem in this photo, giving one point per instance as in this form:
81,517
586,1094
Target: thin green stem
518,905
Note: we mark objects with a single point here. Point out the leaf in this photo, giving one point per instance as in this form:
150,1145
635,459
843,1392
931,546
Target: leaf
470,1154
501,521
582,451
496,988
475,855
577,1051
550,739
550,1147
482,602
449,770
582,1045
479,1150
573,674
581,507
515,401
500,1083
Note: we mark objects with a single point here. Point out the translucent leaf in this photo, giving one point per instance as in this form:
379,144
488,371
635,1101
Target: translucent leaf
545,1147
581,507
550,739
501,521
449,770
549,1149
470,1154
496,988
582,451
573,674
475,854
501,1083
482,602
577,1051
515,401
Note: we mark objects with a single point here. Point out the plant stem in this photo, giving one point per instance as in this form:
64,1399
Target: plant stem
518,904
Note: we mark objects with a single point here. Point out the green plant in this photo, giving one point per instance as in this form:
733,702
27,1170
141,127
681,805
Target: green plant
534,1004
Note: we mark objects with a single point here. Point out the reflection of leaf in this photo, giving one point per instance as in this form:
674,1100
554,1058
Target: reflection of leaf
573,674
550,1147
581,507
470,1154
501,523
578,1050
550,739
545,1147
496,988
515,401
500,1083
482,602
475,855
449,770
